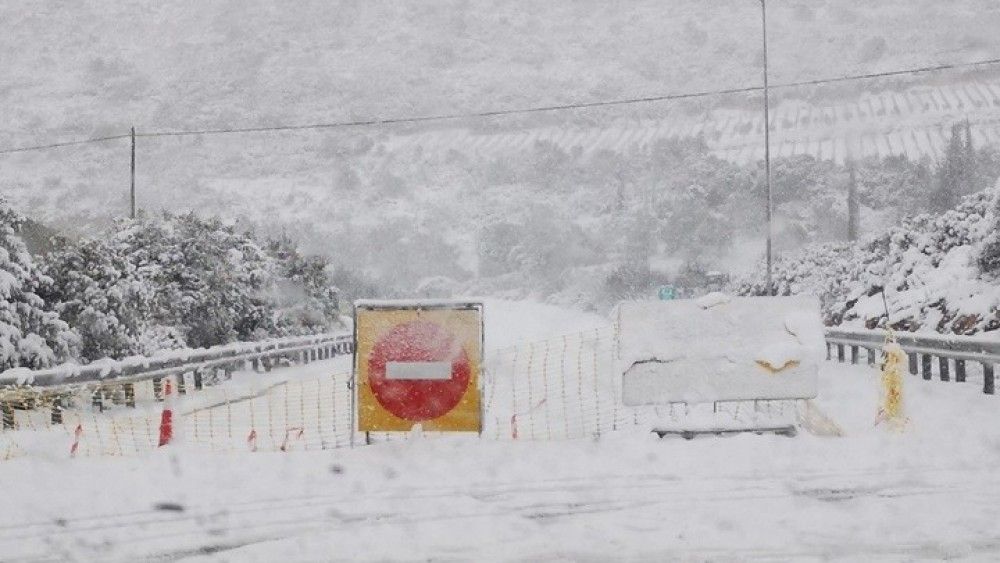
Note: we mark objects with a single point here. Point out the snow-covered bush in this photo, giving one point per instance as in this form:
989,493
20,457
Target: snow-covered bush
170,281
989,254
31,333
936,271
304,296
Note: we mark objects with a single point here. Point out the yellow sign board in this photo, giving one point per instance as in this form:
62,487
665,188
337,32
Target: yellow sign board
418,363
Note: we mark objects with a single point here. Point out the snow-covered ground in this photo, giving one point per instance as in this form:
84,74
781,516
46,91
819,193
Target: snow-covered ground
511,322
928,492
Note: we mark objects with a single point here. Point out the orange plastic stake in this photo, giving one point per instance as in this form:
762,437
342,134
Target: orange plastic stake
167,418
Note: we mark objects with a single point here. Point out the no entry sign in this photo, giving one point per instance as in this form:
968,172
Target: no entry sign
418,362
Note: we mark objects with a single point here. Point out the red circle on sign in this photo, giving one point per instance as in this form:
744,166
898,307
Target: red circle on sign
418,399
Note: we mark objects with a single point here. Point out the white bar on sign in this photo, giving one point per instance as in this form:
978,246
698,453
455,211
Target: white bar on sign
418,370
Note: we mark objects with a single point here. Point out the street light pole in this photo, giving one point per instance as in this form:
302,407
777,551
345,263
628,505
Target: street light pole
767,151
132,177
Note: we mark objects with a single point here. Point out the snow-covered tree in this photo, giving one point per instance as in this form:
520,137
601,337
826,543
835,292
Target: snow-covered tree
853,207
989,254
31,333
166,281
305,296
102,295
951,173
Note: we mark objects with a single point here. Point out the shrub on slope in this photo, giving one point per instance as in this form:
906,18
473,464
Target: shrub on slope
939,273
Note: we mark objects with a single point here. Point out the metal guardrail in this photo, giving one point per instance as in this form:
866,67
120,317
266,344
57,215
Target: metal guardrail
923,351
25,389
140,368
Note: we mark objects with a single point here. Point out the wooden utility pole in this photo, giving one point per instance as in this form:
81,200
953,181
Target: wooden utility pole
767,151
132,170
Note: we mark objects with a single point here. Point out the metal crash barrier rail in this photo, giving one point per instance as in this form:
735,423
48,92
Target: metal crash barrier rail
923,351
115,380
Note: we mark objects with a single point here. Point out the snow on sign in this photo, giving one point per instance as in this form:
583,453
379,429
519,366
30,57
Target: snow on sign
719,348
418,362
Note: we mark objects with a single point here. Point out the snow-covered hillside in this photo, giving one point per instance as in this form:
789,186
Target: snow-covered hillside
911,122
939,273
94,66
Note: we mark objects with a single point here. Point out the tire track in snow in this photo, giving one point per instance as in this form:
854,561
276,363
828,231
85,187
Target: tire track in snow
286,516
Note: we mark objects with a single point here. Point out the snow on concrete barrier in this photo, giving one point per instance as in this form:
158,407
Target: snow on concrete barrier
718,348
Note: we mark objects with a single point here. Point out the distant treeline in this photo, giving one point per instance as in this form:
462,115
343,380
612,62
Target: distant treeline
593,227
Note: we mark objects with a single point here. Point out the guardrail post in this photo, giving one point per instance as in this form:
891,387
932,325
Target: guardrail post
128,389
7,413
97,400
181,390
158,389
989,384
960,371
854,354
267,360
925,366
872,355
840,353
255,363
57,408
913,364
943,368
198,382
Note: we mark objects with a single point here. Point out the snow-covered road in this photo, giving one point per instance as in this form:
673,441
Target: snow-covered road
927,493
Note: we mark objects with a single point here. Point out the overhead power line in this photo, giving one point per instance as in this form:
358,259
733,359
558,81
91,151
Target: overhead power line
63,144
454,116
517,111
890,73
